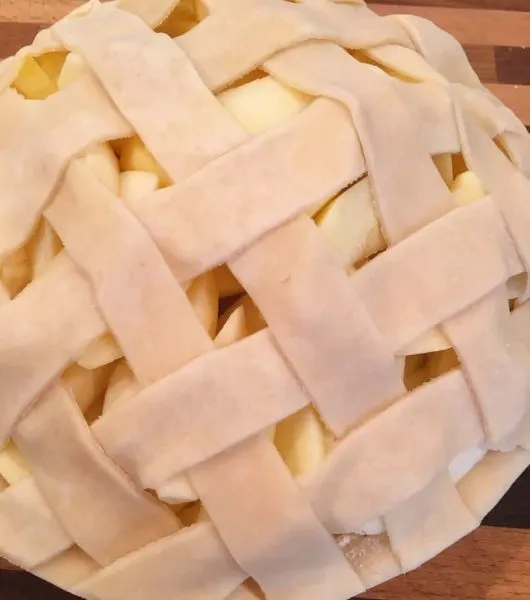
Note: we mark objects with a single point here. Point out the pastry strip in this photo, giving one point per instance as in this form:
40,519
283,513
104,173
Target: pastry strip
270,530
59,306
84,486
396,454
212,403
337,352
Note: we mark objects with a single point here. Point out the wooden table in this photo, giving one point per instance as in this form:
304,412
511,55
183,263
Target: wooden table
493,563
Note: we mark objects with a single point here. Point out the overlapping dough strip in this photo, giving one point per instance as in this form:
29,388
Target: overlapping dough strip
444,519
273,525
265,27
323,69
280,272
59,306
81,246
29,531
407,287
496,365
439,418
38,142
157,90
144,306
194,563
84,486
440,406
203,221
169,427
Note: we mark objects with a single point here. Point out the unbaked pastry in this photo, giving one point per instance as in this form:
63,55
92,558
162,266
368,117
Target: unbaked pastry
264,327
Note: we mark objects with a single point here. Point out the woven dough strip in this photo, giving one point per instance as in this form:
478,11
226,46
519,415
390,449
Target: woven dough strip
252,195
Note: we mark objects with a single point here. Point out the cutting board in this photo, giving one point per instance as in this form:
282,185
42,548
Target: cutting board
493,563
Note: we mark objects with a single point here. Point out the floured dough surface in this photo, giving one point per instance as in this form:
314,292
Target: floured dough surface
263,299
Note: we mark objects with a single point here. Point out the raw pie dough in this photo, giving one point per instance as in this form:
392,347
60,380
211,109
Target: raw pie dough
263,321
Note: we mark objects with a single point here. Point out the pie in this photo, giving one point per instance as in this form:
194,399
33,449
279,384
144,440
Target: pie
264,329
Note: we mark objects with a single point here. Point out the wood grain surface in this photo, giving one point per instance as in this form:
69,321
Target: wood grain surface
493,563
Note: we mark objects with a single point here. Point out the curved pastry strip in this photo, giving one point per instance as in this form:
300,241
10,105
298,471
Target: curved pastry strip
396,454
225,207
266,27
508,187
144,306
487,483
158,90
518,148
318,337
84,486
431,104
37,145
276,548
469,246
29,531
193,563
440,49
494,118
67,569
235,392
429,522
495,364
320,68
59,306
404,63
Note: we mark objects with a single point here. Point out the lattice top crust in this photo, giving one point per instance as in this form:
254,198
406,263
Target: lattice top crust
263,320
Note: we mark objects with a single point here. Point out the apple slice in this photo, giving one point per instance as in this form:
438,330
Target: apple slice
444,164
122,386
350,224
134,185
33,82
101,351
227,284
74,68
177,490
242,319
301,441
234,328
15,271
134,156
467,188
86,385
263,103
52,63
43,247
102,161
204,298
13,466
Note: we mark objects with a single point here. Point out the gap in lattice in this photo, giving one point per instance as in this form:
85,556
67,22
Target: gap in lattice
253,75
459,164
422,368
184,17
363,57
